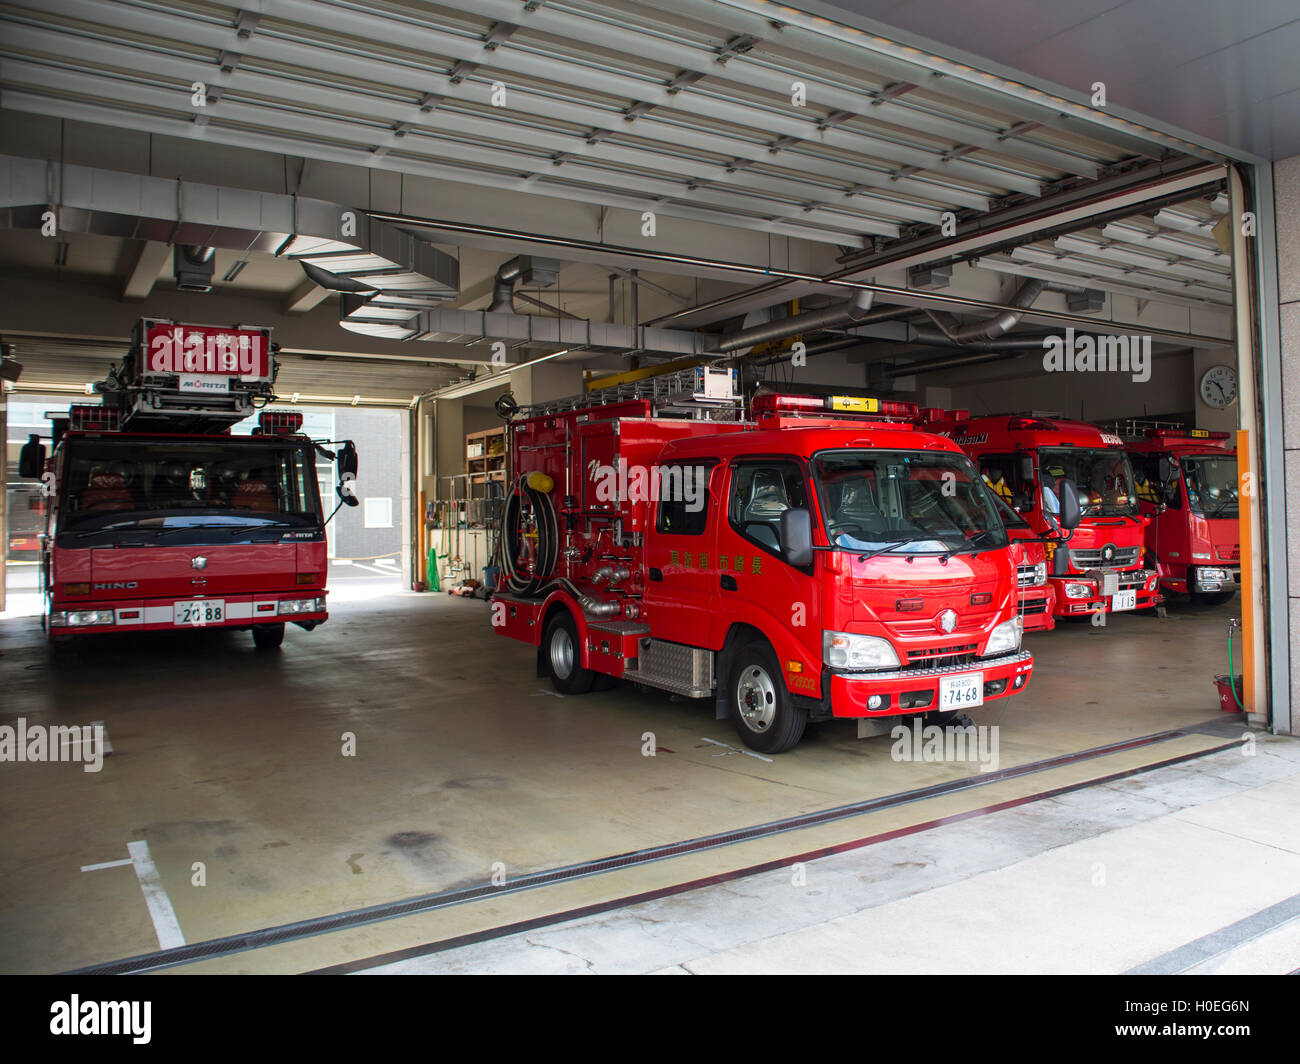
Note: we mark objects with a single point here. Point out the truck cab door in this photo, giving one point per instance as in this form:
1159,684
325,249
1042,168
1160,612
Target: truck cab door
756,584
681,584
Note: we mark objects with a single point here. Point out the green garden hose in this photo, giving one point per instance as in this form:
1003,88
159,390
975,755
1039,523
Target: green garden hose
1232,680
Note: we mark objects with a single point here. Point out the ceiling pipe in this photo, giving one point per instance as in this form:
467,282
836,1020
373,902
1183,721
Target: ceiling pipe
503,285
919,368
852,311
990,328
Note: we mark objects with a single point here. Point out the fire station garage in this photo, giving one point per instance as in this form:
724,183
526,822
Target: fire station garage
647,485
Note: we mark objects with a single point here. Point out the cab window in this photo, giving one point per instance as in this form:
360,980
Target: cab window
1001,472
761,491
683,493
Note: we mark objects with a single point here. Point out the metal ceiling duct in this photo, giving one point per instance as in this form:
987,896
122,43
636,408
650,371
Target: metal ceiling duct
338,241
852,311
982,331
522,269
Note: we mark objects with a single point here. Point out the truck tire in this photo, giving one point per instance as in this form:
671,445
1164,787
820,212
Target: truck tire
268,636
762,710
563,656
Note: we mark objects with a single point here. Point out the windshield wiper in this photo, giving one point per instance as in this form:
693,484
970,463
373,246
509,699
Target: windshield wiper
896,545
113,528
972,541
1223,504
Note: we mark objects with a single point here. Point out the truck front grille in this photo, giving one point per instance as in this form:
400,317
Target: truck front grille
1026,574
1091,559
942,657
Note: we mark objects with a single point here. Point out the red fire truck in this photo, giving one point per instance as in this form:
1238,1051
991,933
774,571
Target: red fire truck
821,559
1187,486
1098,567
159,518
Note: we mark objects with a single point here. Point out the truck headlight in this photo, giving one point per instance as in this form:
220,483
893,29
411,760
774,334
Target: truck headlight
842,650
1078,591
74,618
1005,638
311,605
1040,574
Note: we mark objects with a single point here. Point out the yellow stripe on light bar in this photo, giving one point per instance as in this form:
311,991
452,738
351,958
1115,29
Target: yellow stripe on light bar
855,404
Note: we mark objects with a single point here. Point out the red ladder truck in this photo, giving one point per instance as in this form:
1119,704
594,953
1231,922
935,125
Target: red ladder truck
1026,459
1187,487
821,559
160,518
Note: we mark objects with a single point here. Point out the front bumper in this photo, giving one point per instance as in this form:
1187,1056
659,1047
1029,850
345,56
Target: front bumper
71,617
1101,585
917,689
1036,606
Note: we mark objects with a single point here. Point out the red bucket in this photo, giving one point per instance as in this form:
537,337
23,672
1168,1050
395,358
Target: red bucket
1226,701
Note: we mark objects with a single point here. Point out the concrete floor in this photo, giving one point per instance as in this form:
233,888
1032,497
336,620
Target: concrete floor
465,763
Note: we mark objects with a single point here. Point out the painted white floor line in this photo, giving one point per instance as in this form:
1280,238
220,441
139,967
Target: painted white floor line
106,864
165,924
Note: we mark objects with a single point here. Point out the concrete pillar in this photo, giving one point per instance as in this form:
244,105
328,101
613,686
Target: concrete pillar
1286,177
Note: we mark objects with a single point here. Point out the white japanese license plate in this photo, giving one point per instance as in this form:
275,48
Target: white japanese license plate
199,613
961,692
1124,600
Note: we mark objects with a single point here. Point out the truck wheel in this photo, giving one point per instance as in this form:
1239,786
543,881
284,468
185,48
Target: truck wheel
1211,598
563,655
761,708
268,636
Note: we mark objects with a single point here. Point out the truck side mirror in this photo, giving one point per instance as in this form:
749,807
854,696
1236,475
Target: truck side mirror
31,459
796,537
1071,512
1027,468
1165,469
347,473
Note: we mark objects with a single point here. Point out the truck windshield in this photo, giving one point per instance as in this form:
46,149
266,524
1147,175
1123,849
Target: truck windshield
165,484
906,502
1102,475
1211,484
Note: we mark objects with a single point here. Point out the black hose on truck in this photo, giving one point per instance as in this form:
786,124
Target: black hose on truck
537,487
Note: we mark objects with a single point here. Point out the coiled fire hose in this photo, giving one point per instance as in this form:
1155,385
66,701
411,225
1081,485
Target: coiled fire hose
537,487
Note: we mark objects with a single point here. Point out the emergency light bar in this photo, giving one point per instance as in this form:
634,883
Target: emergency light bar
86,418
279,422
851,405
1017,423
1197,434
